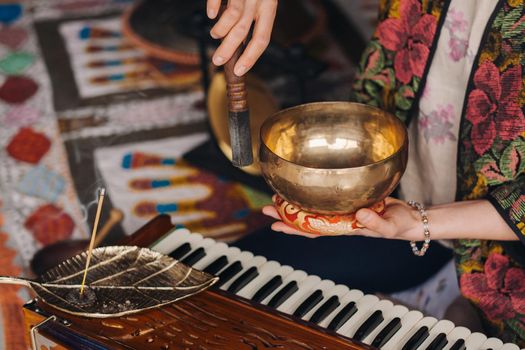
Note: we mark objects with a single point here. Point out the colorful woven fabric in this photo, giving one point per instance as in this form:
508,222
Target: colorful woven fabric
50,224
43,183
492,137
28,146
17,89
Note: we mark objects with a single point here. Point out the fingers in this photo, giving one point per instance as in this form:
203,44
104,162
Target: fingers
237,34
212,8
271,211
229,18
373,222
282,227
260,39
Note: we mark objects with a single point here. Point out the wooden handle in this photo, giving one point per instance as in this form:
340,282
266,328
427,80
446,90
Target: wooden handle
239,117
115,216
236,86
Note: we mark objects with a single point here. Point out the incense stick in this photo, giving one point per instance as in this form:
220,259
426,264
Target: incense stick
101,194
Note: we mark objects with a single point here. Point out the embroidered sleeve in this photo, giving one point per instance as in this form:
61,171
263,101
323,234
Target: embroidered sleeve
509,201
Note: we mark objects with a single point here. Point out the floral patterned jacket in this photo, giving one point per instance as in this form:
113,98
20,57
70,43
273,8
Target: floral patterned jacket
491,149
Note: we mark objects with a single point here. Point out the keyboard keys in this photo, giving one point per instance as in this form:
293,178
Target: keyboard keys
284,294
195,256
335,307
295,276
369,325
441,327
459,345
509,346
217,265
331,301
305,288
309,303
417,339
346,310
387,333
438,343
475,340
456,338
171,240
408,322
233,269
241,281
397,311
270,271
342,316
178,253
247,261
324,289
212,254
364,309
326,309
267,289
418,334
492,343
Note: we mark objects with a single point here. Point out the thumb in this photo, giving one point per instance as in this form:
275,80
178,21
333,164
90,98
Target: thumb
372,221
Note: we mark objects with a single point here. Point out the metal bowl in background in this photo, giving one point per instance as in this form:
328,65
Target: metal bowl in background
333,158
261,103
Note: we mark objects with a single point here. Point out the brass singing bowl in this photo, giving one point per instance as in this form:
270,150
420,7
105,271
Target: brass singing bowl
333,158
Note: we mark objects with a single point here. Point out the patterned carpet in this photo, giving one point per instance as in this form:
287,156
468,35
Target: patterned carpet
76,99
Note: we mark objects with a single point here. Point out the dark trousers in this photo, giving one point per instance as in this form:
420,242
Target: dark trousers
369,264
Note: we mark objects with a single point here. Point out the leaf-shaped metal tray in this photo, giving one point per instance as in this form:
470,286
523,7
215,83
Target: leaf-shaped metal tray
120,281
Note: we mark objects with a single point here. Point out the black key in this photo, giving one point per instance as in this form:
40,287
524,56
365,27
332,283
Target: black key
417,339
369,325
243,280
438,343
386,333
283,295
342,316
309,303
459,345
181,251
326,309
217,265
267,289
194,257
229,272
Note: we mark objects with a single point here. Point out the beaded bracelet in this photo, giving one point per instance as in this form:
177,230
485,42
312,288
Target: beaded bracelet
426,231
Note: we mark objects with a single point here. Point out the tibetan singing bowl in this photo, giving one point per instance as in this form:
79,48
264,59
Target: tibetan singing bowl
332,158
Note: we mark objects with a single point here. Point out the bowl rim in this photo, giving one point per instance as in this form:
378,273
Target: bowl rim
279,113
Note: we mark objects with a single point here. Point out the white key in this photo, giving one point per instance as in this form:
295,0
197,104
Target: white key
336,290
205,244
383,306
492,343
352,296
305,286
408,322
296,276
324,287
457,333
443,326
268,271
510,346
212,254
171,240
364,305
428,322
389,315
247,262
194,239
474,341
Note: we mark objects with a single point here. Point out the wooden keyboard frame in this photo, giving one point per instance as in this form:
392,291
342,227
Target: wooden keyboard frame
243,324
